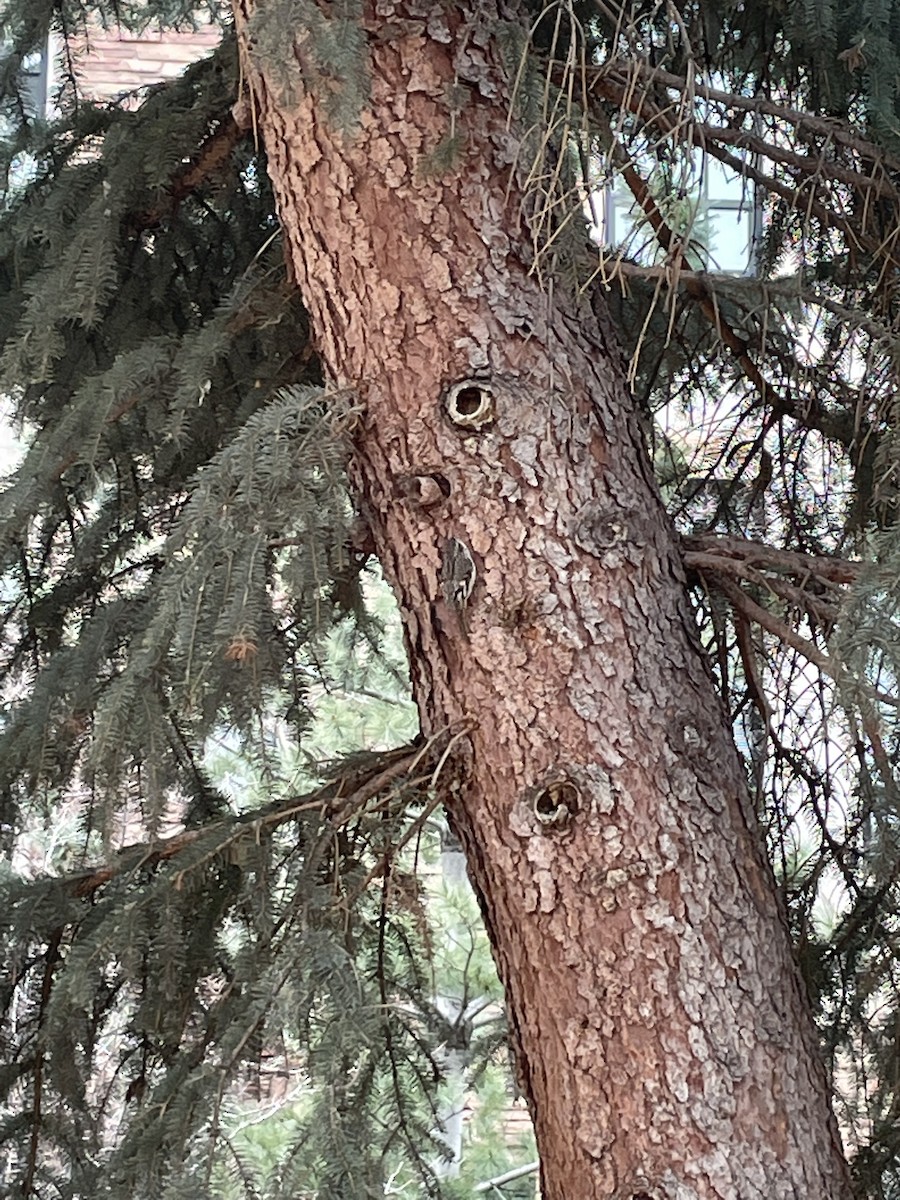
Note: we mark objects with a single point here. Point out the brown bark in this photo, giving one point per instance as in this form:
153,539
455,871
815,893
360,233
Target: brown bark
662,1033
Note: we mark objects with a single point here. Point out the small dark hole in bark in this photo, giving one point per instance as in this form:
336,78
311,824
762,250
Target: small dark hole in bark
470,404
544,805
468,401
443,483
557,801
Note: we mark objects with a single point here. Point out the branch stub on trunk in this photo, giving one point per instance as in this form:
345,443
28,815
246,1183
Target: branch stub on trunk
426,490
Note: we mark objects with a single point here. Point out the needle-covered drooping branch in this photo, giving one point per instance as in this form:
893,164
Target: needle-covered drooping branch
278,919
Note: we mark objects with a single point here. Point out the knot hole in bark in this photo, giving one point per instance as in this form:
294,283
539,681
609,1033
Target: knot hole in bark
470,403
556,802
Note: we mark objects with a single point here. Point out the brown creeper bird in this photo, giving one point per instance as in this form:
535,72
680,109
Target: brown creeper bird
458,575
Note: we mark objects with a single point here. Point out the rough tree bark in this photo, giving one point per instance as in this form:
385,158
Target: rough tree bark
663,1036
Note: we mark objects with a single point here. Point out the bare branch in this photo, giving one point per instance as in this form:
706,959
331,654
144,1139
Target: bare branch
51,958
748,609
338,801
799,197
721,551
831,128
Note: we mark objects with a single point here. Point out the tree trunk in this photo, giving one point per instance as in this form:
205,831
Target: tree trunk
663,1037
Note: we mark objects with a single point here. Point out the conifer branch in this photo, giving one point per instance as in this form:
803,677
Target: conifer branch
495,1184
815,168
115,414
412,766
755,688
51,959
212,157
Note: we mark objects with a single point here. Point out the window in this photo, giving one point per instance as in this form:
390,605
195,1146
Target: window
715,208
35,71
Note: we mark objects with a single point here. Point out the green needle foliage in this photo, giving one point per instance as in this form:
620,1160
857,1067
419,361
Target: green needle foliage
213,806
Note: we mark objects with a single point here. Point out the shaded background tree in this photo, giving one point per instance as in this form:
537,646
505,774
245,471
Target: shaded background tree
179,548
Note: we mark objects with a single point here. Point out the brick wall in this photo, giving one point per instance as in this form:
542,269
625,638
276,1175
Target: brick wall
110,62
